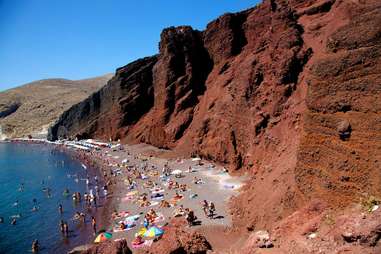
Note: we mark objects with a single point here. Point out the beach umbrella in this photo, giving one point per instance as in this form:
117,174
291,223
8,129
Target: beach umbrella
176,172
142,231
154,232
103,237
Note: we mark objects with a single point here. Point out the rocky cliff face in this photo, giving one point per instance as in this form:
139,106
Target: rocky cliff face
288,91
32,108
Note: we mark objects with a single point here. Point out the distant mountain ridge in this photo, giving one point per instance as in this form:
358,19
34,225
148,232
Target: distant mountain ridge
30,109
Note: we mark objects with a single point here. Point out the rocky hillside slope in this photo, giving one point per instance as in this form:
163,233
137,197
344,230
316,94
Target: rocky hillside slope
288,91
31,108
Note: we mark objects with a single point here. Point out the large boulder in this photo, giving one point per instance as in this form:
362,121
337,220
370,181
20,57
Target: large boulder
178,239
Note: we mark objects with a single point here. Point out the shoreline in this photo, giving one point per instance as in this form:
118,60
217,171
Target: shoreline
95,166
103,159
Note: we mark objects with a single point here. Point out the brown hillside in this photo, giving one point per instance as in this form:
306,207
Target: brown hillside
31,108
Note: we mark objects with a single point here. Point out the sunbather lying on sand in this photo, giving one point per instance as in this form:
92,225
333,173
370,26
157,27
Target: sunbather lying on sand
144,201
137,241
117,215
177,196
164,204
148,184
183,187
151,216
179,211
122,226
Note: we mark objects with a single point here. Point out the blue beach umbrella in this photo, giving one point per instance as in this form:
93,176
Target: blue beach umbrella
154,232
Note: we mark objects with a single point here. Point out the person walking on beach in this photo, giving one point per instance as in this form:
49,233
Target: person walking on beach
212,209
94,224
60,208
205,206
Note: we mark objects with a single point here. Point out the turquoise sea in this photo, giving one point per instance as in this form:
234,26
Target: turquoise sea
26,172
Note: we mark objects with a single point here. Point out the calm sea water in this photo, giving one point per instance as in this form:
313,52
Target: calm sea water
38,166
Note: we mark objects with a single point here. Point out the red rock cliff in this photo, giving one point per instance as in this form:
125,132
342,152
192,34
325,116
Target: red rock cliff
288,91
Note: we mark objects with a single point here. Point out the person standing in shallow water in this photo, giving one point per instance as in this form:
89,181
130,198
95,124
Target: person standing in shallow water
94,224
62,226
66,229
35,246
60,208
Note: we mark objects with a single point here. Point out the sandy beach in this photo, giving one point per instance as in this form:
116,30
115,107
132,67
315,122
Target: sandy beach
214,185
116,167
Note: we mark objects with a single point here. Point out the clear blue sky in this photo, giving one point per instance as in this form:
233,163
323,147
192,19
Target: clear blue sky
77,39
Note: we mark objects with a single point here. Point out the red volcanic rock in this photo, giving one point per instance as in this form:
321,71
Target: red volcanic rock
288,91
178,239
109,247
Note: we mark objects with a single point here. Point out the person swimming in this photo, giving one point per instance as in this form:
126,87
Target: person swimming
66,192
16,203
16,215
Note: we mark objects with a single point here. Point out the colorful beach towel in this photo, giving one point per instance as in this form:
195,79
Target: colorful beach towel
146,243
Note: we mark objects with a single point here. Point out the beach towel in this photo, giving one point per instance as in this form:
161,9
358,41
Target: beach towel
121,214
129,227
174,200
131,218
158,198
156,195
160,218
146,243
156,191
154,203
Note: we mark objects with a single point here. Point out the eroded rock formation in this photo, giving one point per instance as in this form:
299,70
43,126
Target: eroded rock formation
288,91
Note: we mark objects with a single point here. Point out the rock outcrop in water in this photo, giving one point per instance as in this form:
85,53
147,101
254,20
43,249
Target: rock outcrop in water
288,91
